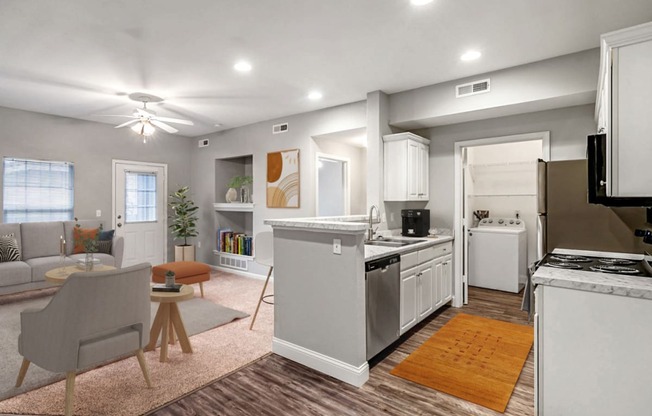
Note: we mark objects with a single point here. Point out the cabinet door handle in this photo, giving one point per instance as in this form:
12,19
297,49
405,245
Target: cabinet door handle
603,183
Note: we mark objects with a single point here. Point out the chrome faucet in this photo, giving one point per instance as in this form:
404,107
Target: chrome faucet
370,231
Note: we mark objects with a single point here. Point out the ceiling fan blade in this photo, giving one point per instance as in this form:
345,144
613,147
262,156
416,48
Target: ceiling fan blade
113,115
144,112
127,123
175,120
164,126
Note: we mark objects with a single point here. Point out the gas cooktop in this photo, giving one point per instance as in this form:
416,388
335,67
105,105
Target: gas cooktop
595,264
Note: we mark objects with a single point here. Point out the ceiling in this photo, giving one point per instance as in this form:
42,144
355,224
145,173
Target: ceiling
80,58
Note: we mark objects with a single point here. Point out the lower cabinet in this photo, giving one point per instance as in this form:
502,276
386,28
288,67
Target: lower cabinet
426,283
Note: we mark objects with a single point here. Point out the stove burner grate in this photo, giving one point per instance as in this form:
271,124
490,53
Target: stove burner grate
609,268
563,265
569,258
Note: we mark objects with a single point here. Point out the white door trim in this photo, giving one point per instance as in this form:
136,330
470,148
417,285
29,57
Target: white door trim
115,162
544,136
347,180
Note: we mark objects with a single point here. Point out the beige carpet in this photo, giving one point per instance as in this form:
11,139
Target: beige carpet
119,388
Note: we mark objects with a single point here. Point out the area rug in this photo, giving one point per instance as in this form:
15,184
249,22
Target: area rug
473,358
119,388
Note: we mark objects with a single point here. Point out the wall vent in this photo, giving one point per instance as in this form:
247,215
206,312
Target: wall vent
203,143
279,128
472,88
233,262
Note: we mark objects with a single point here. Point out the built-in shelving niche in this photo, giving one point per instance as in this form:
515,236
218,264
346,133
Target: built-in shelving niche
237,216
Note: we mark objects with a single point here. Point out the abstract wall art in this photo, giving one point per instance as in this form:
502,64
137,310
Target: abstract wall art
283,179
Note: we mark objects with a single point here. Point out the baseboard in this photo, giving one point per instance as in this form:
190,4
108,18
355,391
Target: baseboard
348,373
241,272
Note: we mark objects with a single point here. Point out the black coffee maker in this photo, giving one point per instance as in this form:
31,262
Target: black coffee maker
416,222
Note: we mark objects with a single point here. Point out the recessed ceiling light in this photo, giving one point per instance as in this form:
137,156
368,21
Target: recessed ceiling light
470,56
420,2
315,95
218,125
242,66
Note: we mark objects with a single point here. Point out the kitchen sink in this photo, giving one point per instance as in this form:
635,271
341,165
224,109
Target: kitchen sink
392,242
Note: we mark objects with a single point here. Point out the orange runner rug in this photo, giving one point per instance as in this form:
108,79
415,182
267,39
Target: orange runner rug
473,358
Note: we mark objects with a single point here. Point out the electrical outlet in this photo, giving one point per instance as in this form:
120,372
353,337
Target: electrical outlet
337,246
98,213
198,244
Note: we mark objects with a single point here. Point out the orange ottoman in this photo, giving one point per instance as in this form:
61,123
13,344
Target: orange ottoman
186,272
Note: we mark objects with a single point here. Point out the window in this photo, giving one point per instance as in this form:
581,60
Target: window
140,197
37,190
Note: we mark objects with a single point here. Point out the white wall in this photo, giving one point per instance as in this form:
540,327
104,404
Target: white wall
257,140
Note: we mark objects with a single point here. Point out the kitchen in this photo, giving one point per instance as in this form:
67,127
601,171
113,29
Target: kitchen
335,341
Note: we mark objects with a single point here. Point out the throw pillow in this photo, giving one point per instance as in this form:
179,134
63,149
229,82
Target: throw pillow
80,235
9,250
104,246
106,235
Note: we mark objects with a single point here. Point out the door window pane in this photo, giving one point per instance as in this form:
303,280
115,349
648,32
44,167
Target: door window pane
37,190
140,197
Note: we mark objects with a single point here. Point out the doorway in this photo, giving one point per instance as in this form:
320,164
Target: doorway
333,197
473,192
139,210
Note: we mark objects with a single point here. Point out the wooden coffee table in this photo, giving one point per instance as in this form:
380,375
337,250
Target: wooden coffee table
60,274
168,321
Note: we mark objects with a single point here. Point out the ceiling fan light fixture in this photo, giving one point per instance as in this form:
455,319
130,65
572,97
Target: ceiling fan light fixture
143,128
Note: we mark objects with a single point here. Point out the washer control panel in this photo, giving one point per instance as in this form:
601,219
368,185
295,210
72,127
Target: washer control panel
502,222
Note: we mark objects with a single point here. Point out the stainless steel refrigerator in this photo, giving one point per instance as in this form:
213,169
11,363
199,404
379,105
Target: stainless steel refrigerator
567,220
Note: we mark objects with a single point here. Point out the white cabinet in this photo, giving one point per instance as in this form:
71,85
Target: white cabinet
592,353
426,283
624,109
406,158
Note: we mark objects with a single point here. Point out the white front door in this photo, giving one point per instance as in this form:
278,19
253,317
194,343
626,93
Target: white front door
139,211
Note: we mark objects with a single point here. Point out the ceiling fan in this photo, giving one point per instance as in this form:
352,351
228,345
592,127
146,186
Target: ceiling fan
145,120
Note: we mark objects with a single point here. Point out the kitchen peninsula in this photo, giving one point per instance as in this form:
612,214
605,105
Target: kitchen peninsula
319,292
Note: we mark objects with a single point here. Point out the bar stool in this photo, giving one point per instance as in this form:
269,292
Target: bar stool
264,249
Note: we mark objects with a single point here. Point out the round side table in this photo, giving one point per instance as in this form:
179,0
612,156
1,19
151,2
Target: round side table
168,321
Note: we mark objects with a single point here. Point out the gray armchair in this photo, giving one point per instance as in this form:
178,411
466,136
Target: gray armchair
93,318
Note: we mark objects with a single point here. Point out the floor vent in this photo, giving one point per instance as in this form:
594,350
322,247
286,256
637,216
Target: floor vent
472,88
279,128
234,262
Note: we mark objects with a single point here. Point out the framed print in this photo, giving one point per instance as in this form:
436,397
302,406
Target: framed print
283,179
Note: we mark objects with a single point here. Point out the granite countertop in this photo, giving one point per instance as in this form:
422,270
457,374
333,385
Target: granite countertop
376,252
355,224
614,284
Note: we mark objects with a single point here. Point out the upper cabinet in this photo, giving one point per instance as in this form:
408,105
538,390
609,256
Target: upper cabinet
624,109
406,158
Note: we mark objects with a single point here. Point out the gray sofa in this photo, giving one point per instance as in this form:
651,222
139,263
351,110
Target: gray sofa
39,247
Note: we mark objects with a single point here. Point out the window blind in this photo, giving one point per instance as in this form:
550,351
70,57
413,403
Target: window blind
36,190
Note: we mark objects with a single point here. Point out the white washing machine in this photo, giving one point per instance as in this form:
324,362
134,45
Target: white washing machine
498,254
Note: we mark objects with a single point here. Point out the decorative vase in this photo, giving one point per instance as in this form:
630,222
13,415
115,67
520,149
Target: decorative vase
169,278
244,195
231,195
89,262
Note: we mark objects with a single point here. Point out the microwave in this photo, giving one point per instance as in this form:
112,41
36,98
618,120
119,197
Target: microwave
596,152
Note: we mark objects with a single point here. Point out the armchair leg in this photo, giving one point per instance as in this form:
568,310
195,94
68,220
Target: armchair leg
201,288
23,370
269,273
70,392
143,367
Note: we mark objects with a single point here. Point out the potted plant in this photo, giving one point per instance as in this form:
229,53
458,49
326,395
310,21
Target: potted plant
184,223
238,182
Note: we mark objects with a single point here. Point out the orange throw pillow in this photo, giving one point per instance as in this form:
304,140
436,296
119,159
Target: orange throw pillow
80,235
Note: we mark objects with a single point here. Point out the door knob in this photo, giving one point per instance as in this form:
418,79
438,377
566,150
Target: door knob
119,224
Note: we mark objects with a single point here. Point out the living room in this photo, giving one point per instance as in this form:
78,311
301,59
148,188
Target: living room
380,69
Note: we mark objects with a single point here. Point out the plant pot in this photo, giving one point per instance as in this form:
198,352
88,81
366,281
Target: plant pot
184,253
231,195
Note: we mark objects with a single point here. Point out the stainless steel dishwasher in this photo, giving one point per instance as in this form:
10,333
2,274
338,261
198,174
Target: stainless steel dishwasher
382,279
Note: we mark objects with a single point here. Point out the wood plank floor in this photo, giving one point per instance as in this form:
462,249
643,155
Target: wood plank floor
277,386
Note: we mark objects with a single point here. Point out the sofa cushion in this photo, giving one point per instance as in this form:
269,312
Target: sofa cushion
40,239
104,246
81,235
9,249
40,265
14,273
